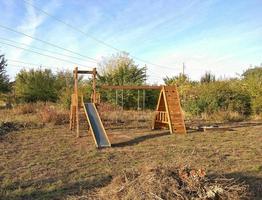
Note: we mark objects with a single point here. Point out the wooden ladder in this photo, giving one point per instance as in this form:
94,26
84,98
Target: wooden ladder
176,119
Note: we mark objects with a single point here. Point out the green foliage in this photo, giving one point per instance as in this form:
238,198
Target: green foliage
252,81
64,86
43,85
208,96
216,96
36,85
181,79
121,70
4,80
208,77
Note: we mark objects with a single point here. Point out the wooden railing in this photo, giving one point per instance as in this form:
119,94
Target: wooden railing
161,116
95,99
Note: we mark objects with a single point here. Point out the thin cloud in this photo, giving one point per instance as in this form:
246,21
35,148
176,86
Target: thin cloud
31,22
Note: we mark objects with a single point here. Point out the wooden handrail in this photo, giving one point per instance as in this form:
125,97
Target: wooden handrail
161,116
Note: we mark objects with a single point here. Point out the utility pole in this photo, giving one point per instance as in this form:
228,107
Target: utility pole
184,69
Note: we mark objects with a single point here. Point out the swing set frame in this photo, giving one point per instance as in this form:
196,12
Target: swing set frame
168,112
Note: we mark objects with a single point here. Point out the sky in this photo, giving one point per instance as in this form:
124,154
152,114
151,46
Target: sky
221,37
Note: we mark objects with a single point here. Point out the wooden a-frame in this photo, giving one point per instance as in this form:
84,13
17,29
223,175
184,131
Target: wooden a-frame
168,113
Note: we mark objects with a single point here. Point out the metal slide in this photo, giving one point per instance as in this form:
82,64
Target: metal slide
96,125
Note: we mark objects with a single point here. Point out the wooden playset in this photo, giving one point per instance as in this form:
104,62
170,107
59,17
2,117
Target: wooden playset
168,112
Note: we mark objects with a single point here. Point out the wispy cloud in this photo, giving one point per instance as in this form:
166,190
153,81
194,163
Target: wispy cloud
211,35
30,23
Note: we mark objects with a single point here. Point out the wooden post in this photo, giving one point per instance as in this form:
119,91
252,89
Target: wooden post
76,100
94,85
72,112
138,100
144,99
116,114
122,99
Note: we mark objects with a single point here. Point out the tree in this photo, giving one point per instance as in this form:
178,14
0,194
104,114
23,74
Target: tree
208,77
64,84
121,70
252,81
36,85
179,80
4,80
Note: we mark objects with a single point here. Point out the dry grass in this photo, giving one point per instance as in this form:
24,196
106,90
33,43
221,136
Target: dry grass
116,118
227,116
49,162
257,117
45,112
50,114
27,108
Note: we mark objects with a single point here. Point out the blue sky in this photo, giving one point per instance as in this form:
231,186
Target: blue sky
224,37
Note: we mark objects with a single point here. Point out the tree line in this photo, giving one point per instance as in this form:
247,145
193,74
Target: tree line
209,95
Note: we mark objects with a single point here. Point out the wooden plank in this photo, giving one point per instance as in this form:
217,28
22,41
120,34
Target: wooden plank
157,108
84,72
175,111
76,101
164,122
131,87
167,110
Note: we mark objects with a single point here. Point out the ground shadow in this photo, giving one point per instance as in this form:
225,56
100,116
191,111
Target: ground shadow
254,183
75,188
139,139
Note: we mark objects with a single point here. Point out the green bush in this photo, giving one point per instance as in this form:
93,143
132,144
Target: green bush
216,96
43,85
252,81
64,86
35,85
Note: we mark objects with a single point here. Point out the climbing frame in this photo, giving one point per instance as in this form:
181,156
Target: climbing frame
169,112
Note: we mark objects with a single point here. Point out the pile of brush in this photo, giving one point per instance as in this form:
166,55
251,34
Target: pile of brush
6,127
167,182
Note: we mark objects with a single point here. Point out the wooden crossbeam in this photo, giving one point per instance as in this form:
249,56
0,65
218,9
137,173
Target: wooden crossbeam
131,87
85,72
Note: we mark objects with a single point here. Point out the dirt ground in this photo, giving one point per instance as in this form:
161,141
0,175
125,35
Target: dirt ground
49,162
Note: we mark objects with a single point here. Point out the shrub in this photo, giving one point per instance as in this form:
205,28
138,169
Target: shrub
35,85
252,82
216,96
64,86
